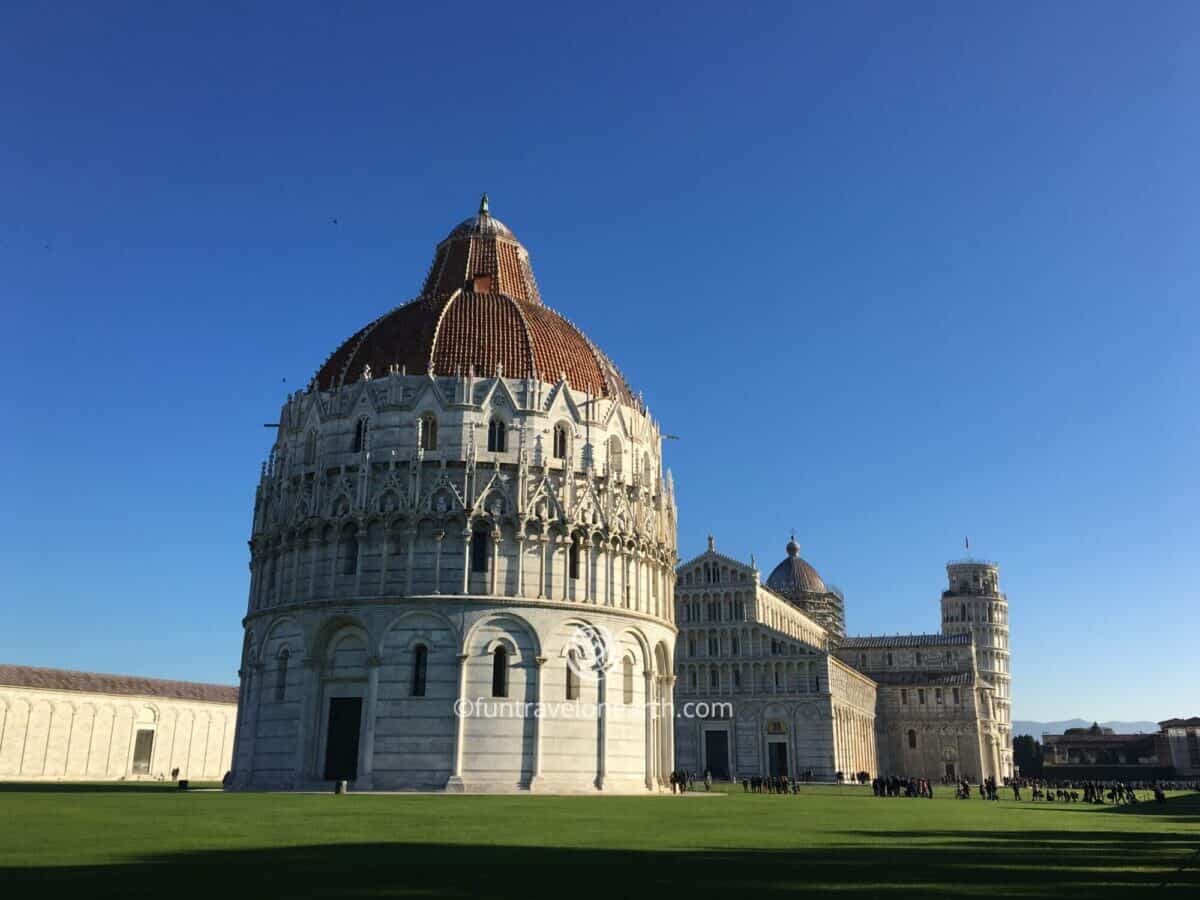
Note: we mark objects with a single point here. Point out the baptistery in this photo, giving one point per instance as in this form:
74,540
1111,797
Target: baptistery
461,559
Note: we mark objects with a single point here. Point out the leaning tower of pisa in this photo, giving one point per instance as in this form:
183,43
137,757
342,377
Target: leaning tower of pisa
973,603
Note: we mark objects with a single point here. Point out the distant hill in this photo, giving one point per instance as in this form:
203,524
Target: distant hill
1037,729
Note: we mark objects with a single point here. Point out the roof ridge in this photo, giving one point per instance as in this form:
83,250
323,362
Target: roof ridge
528,334
53,679
719,555
437,329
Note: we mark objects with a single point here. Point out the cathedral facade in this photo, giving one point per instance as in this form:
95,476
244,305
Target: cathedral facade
784,691
464,517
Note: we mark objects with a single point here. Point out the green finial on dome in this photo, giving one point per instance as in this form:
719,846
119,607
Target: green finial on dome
483,205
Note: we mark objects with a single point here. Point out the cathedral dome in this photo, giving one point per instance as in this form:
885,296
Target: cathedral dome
795,575
479,309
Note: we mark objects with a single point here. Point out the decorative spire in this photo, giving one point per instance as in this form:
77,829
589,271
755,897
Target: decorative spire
483,205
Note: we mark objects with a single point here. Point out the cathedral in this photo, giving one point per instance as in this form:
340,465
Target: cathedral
781,689
463,577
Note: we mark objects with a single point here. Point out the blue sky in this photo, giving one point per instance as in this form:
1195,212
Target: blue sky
896,274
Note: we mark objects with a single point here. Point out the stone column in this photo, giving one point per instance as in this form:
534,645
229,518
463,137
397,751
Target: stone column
466,578
610,571
438,537
494,575
585,567
566,567
256,679
360,544
239,736
648,703
314,554
297,546
368,748
636,579
545,542
855,744
252,602
535,778
310,705
455,783
408,565
383,560
521,562
833,728
842,741
669,733
601,729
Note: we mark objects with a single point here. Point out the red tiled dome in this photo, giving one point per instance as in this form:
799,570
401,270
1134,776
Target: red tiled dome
480,308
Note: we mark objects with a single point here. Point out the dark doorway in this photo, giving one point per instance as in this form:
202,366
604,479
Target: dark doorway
950,771
143,749
777,758
341,740
716,754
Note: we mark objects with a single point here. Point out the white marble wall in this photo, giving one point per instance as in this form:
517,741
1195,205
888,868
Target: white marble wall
742,645
363,549
419,742
75,736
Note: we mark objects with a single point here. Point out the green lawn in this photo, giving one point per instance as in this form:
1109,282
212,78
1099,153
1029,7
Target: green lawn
129,841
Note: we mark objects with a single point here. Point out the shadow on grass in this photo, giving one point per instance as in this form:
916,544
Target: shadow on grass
939,864
97,787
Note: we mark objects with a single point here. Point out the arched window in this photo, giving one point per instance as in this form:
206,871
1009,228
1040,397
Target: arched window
573,560
479,551
500,672
560,441
428,432
360,434
614,456
912,739
572,676
310,447
349,552
963,613
281,676
627,682
420,663
497,436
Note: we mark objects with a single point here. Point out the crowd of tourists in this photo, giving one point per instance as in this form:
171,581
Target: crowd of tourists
894,786
1099,792
1096,792
683,781
770,784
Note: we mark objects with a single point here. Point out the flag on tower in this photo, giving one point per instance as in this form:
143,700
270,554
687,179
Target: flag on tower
967,543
